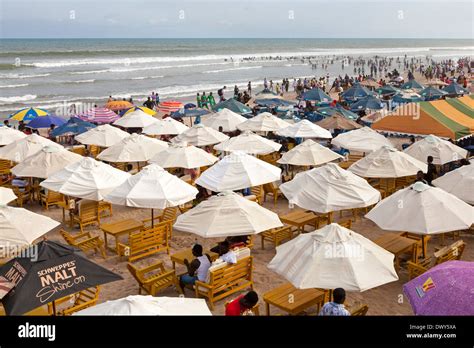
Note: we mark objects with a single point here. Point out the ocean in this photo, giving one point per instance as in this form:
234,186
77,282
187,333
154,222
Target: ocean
50,73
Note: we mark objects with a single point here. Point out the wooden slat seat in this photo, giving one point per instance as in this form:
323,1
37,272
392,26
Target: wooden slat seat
84,241
276,235
153,278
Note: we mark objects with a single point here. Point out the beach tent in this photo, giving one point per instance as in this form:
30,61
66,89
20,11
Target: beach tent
73,126
412,84
232,105
337,121
135,119
304,129
46,121
249,142
455,89
309,153
369,102
329,188
169,106
224,118
200,135
141,108
183,156
99,115
103,136
316,94
6,196
227,214
356,92
263,122
166,126
118,105
362,140
9,135
441,150
443,118
334,257
20,149
28,114
464,101
238,171
430,93
459,182
338,110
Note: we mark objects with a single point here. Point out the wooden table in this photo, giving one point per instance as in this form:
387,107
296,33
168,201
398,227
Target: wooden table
299,219
398,245
116,229
180,256
293,300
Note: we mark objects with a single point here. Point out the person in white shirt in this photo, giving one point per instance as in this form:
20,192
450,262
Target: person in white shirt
226,254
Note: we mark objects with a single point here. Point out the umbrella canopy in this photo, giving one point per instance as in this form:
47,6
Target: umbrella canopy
375,116
200,135
263,122
117,105
368,102
459,182
431,92
190,112
149,305
408,96
99,115
356,92
141,108
387,90
273,102
20,227
249,142
45,162
170,106
183,156
6,195
412,84
309,153
232,105
20,149
135,119
441,150
88,179
266,93
334,257
329,111
363,140
422,209
134,148
166,126
73,126
337,121
316,94
304,129
238,171
103,136
329,188
46,121
227,214
152,187
445,289
57,271
224,118
387,162
9,135
28,114
455,89
371,83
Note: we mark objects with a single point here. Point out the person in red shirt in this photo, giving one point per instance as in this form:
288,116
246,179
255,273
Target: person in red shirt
241,304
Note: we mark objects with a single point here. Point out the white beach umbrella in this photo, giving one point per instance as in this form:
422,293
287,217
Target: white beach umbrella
334,257
238,171
227,214
329,188
200,135
20,149
166,126
149,305
224,118
459,182
103,136
183,156
134,148
6,195
309,153
387,162
442,150
304,129
362,140
9,135
263,122
88,179
45,162
249,142
135,119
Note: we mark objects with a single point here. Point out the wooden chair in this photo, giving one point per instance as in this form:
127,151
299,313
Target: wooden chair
79,301
422,241
258,192
51,198
104,207
352,211
183,208
94,150
5,167
345,223
23,195
168,214
401,183
88,215
273,190
80,150
386,187
276,235
154,278
360,311
84,241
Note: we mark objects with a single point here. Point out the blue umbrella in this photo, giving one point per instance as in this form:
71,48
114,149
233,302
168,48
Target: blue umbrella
400,99
329,111
73,126
431,93
387,89
46,121
316,94
194,112
412,84
189,106
367,103
232,105
273,102
456,89
356,92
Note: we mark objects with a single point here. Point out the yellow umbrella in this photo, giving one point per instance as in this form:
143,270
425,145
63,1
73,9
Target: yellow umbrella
142,108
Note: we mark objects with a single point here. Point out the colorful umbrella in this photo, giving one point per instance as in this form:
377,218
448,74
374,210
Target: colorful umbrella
167,107
455,89
117,105
73,126
99,115
412,84
431,93
316,94
46,121
28,114
232,105
356,92
387,89
142,108
368,102
329,111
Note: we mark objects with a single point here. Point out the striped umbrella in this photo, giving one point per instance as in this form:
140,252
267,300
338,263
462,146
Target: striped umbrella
167,107
142,108
116,105
99,115
28,114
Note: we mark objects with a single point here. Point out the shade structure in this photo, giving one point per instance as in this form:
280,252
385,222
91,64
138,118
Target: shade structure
422,209
431,92
141,108
46,121
263,122
249,142
99,115
445,289
329,111
338,121
224,118
316,94
412,84
20,227
387,162
73,126
9,135
45,162
406,96
362,140
149,305
170,106
183,156
6,195
441,150
190,112
227,214
309,153
152,187
28,114
20,149
459,182
232,105
88,179
455,89
356,92
329,188
387,90
238,171
273,102
135,119
375,116
304,129
166,126
369,102
334,257
117,105
103,136
200,135
57,271
134,148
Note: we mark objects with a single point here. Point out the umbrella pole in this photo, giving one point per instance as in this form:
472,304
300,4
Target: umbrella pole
152,219
423,245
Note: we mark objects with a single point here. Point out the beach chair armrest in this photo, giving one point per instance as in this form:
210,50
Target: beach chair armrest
198,284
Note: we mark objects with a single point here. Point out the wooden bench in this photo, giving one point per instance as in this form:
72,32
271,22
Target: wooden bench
153,278
276,235
84,241
258,192
79,301
167,215
51,198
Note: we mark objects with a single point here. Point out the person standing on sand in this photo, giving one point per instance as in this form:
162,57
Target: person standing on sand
211,100
249,88
220,93
204,100
198,100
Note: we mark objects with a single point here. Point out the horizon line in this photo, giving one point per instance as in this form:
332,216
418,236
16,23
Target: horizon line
239,38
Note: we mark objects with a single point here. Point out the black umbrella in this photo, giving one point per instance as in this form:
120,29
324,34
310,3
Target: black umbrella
48,271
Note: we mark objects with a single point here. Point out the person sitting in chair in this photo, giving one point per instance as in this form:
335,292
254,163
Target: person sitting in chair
242,305
336,307
197,269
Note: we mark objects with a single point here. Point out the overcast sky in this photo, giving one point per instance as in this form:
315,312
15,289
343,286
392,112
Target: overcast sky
231,18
